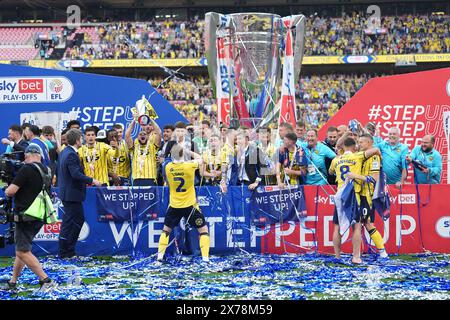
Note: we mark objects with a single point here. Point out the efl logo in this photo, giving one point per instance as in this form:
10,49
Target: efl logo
56,85
31,86
443,227
406,199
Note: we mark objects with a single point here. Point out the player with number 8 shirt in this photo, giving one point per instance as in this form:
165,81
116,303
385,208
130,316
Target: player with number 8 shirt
349,161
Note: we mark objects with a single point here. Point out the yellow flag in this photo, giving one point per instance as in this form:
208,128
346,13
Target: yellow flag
150,110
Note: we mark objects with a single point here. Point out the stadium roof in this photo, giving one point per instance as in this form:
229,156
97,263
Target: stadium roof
39,4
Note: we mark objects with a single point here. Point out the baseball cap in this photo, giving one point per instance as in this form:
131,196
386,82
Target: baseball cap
101,135
33,148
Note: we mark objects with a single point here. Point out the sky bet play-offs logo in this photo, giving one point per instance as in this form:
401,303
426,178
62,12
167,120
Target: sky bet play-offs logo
35,89
50,232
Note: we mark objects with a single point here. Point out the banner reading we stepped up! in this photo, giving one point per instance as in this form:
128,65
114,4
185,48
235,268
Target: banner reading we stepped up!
413,102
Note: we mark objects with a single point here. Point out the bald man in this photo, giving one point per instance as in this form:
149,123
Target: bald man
427,162
341,130
393,157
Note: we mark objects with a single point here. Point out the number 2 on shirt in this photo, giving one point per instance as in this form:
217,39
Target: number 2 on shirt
180,186
344,170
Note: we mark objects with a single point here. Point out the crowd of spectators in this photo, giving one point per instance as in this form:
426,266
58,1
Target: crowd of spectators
350,34
355,35
143,40
318,97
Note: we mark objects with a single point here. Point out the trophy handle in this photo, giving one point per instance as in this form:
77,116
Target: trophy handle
211,25
299,22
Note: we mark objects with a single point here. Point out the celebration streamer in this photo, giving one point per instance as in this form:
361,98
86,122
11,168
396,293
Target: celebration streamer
249,276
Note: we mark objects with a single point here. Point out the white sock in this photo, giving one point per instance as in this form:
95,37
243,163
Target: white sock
383,253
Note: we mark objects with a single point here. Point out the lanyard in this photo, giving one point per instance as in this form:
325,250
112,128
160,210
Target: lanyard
115,161
212,161
291,163
142,155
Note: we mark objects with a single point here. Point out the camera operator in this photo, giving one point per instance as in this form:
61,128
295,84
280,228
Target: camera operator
25,187
16,142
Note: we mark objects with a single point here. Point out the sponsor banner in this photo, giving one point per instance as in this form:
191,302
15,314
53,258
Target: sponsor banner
35,89
118,63
426,57
413,102
307,60
417,224
434,213
50,232
92,99
375,31
223,84
125,204
133,63
269,205
357,59
74,63
47,64
287,110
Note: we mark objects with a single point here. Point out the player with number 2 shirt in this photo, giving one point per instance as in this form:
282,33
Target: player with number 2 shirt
180,177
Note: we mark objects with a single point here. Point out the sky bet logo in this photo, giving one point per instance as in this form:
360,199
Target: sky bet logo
35,89
24,86
31,86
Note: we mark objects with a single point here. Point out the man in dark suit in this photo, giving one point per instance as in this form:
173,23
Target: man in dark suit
167,141
250,160
72,192
16,142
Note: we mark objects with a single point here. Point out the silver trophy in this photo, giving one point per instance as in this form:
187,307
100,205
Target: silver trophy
247,76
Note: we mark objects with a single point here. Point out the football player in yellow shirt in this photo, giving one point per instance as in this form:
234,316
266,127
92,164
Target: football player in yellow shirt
143,153
349,162
212,162
265,143
94,156
369,176
119,167
228,158
180,177
292,163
